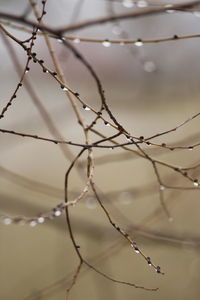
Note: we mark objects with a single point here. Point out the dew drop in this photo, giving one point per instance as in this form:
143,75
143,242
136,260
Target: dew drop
170,219
128,3
136,250
158,269
106,123
149,261
63,88
162,187
169,11
76,40
196,14
190,148
7,221
142,3
85,107
33,223
57,212
139,43
41,220
196,183
60,40
129,139
106,43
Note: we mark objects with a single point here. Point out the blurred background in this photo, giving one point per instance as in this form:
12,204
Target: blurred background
150,88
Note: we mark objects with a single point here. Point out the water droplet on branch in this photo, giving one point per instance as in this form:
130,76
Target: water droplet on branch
128,3
85,107
106,43
138,43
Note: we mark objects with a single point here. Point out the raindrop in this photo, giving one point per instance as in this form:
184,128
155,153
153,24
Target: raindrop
106,43
106,123
41,220
76,40
149,261
129,139
33,223
128,3
158,269
142,3
60,40
7,221
135,248
196,14
162,187
169,10
196,183
85,107
64,88
139,43
57,212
